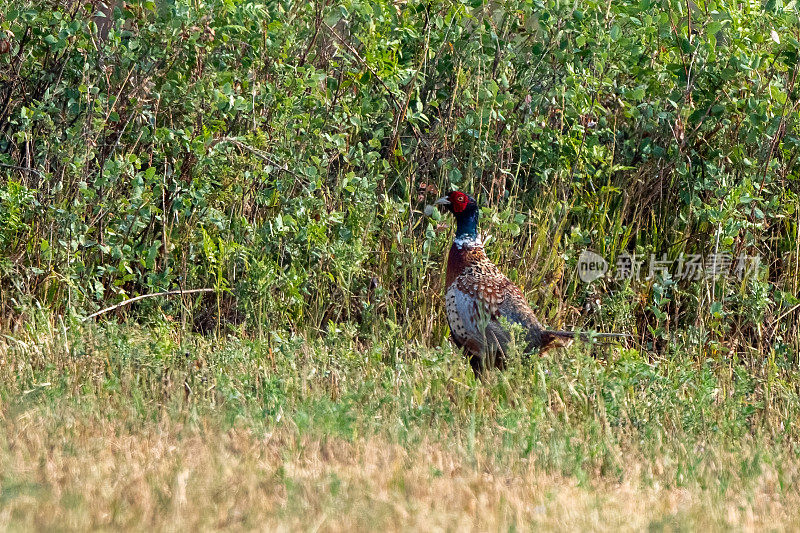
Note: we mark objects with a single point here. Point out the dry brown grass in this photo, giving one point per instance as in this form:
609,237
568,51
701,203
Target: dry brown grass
77,471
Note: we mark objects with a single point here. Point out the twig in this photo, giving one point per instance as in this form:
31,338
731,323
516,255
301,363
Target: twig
317,23
787,313
23,169
256,152
411,85
142,297
363,62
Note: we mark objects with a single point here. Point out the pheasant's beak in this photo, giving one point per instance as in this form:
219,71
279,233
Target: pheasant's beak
442,201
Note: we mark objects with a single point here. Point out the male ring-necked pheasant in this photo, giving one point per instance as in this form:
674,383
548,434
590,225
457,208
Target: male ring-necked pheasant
478,296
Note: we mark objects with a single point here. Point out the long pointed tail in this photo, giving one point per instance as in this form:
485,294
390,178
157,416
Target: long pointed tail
551,335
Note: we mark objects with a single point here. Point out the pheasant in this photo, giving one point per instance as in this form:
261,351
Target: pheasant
478,296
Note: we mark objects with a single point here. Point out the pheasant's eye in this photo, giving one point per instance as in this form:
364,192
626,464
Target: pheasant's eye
459,200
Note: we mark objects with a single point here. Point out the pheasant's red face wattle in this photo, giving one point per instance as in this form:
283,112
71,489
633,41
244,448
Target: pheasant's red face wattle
459,200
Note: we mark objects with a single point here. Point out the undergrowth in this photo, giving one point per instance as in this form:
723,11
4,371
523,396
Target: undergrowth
283,153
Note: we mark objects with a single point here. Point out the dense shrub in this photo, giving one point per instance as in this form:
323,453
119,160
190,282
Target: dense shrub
285,151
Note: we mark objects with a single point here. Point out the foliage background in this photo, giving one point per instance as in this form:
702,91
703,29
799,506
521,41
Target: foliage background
284,152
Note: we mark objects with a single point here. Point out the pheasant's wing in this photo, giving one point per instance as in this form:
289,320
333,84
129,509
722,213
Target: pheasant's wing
515,309
483,295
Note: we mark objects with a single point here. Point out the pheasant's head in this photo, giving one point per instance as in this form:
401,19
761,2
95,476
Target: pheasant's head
465,209
458,203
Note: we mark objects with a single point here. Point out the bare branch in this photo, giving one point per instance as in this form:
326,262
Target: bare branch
256,152
23,169
142,297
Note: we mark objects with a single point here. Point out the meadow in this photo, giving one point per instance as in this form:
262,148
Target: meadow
283,157
108,427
